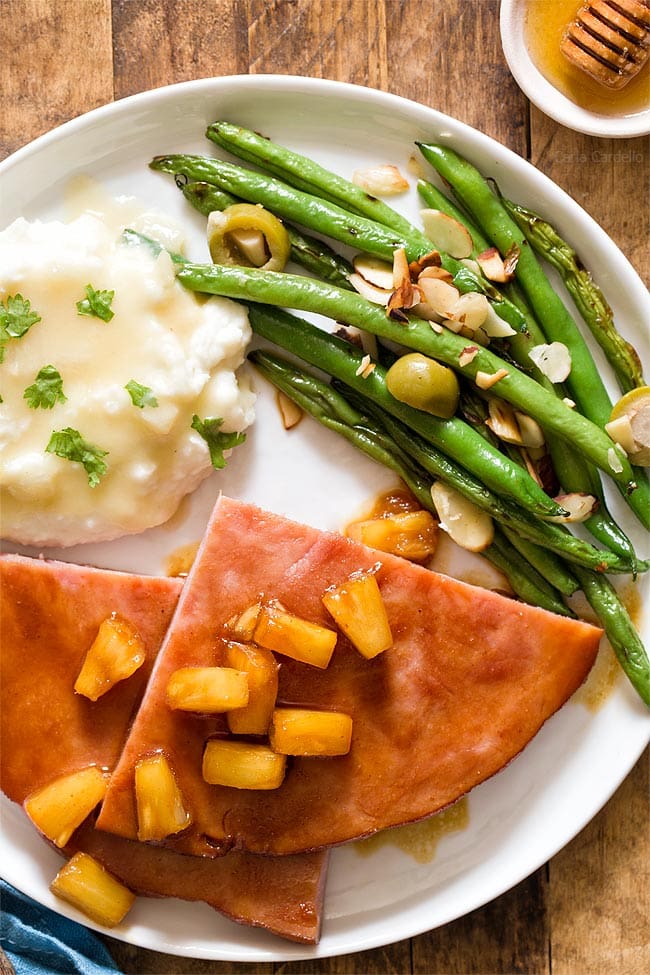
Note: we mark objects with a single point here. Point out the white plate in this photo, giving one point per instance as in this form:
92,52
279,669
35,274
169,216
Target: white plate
551,101
524,815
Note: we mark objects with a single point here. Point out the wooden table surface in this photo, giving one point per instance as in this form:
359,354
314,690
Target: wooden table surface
586,912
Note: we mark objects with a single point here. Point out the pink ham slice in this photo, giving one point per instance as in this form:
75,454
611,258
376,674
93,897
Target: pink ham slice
50,614
470,679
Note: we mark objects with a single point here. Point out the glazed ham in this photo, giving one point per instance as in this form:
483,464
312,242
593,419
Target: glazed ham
470,679
50,614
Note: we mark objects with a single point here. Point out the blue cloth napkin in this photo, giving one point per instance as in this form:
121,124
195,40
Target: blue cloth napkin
39,942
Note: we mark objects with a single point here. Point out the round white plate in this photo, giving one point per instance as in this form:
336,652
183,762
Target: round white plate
551,101
524,815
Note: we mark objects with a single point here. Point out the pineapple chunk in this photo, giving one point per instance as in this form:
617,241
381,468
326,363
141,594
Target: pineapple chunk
262,669
159,801
359,611
84,883
412,535
299,731
278,630
61,806
116,652
243,626
242,765
208,690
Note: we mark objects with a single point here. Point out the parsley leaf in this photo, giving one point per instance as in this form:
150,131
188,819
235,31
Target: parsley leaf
96,304
16,318
140,395
217,442
69,444
46,390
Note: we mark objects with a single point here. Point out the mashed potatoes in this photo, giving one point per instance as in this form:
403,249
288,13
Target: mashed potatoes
103,419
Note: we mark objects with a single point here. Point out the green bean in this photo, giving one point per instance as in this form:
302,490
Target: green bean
520,390
305,174
314,255
620,630
547,563
333,411
294,205
587,296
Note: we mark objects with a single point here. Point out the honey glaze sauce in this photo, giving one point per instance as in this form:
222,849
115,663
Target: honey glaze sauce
546,21
419,840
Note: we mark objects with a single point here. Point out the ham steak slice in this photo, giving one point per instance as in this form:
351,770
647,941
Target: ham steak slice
50,614
470,679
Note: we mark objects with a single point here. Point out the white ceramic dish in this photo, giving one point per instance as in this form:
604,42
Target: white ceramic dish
546,97
524,815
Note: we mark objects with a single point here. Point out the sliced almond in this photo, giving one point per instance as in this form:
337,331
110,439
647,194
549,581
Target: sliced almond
471,309
366,367
620,430
496,327
467,525
374,271
468,355
435,271
494,267
382,180
438,295
447,233
378,296
406,294
532,435
579,506
553,360
503,422
423,263
486,380
290,412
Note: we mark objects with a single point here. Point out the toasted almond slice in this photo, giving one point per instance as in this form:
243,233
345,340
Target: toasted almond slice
496,327
496,268
471,309
467,525
579,506
553,360
369,291
439,296
433,271
503,422
374,271
532,435
290,412
620,430
447,233
468,355
486,380
382,180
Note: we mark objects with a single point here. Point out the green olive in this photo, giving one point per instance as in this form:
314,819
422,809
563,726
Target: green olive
247,234
424,383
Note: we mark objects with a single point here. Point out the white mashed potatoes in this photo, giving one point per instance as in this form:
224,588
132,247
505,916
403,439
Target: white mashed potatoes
179,356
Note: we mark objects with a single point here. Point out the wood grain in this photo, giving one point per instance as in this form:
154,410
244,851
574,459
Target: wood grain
586,912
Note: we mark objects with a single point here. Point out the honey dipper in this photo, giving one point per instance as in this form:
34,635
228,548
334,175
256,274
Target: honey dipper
609,40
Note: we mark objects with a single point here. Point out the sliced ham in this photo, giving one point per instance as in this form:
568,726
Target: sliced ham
50,614
471,678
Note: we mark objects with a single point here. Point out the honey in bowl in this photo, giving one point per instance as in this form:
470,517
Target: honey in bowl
545,24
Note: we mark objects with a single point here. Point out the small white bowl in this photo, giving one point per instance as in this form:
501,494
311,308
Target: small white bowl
546,97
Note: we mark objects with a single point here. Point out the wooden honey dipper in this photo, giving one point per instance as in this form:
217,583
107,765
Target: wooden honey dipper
609,40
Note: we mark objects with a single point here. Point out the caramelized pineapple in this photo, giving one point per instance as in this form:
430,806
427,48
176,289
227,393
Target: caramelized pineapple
412,535
161,811
208,690
278,630
359,611
61,806
116,652
84,883
299,731
243,626
242,765
261,668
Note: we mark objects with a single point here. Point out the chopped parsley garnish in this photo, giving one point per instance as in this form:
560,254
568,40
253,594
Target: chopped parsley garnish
140,395
46,390
217,442
16,318
96,304
70,445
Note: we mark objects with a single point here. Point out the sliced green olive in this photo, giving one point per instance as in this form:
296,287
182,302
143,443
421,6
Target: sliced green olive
245,234
629,425
424,383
